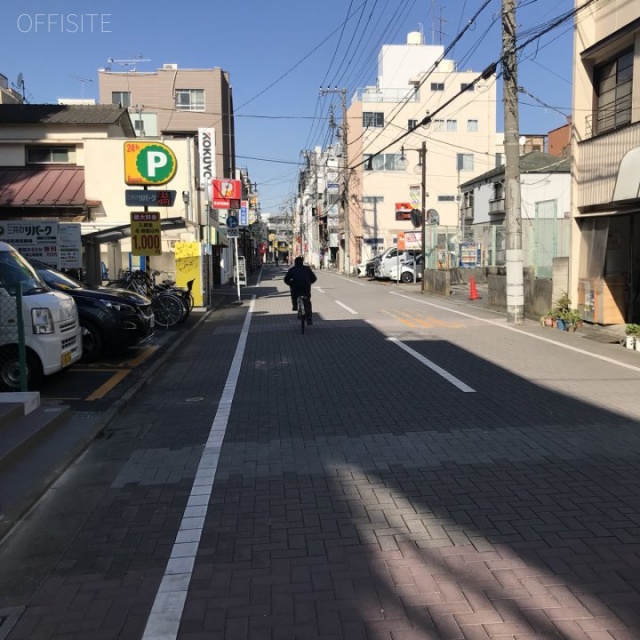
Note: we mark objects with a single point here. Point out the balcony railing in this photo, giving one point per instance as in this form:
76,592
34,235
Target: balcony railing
374,94
598,161
496,207
466,213
609,118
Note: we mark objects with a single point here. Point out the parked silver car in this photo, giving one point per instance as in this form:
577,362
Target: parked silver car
410,271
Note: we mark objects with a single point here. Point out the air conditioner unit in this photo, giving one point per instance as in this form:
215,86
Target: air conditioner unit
170,66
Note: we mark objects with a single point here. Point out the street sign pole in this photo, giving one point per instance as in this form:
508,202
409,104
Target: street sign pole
235,250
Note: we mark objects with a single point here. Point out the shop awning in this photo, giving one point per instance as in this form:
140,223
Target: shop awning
628,179
43,187
124,231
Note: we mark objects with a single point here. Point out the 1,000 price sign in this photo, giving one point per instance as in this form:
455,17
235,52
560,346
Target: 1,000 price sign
145,234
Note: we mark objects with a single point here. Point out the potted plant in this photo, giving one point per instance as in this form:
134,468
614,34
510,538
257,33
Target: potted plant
561,307
632,335
572,319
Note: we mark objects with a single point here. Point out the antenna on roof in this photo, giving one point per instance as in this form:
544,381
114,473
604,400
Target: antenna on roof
84,81
130,63
20,84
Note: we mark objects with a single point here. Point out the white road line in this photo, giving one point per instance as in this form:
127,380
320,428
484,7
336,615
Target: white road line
434,367
502,325
344,306
352,280
166,613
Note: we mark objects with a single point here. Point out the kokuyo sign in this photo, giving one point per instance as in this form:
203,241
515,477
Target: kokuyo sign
207,152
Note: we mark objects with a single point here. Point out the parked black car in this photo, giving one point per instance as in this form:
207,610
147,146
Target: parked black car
111,319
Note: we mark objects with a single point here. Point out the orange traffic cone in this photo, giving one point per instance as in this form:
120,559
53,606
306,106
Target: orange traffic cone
473,292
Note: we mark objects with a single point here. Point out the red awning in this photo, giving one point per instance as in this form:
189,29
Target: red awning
42,187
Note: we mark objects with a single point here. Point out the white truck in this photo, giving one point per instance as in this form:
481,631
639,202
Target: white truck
49,320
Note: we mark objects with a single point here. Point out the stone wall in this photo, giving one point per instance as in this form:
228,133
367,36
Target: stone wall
537,292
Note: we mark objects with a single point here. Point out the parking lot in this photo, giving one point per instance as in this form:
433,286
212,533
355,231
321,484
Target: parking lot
94,387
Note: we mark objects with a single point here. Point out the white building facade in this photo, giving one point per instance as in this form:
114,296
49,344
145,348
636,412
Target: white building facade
385,181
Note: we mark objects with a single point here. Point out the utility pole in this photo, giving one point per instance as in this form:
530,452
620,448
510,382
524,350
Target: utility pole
344,200
423,206
515,276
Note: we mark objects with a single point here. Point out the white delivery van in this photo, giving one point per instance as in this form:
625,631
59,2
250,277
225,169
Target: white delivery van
52,333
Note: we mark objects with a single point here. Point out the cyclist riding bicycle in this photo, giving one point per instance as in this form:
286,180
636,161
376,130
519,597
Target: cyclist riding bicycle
300,277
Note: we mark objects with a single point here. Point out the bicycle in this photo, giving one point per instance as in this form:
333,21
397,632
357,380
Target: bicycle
302,310
169,307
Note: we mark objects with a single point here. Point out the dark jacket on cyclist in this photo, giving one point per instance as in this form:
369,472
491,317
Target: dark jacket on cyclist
299,278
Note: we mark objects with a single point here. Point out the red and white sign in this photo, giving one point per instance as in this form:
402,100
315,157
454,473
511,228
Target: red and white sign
224,191
409,240
403,210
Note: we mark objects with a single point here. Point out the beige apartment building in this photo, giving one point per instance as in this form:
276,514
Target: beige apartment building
461,142
605,249
176,102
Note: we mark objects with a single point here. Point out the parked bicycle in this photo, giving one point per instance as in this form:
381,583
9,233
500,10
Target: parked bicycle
170,306
186,293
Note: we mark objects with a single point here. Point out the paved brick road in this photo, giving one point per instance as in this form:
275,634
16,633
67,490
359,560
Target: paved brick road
359,492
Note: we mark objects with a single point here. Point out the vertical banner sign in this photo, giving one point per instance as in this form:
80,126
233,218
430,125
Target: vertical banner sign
244,213
146,233
207,152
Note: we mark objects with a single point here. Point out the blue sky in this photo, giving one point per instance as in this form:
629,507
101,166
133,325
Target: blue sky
278,55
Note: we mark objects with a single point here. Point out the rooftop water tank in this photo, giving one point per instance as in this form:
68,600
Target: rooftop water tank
414,37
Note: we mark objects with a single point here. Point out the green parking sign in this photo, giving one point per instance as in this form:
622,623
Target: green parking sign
148,163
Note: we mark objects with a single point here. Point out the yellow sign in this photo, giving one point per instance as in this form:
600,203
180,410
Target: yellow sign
146,234
189,267
148,163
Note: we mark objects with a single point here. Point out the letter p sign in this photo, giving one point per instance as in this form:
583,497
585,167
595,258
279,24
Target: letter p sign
148,163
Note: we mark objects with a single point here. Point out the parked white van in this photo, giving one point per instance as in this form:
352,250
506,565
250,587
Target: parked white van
52,333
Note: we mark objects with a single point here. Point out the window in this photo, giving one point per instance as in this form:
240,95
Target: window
372,119
613,82
499,159
383,162
465,162
446,198
412,124
190,99
123,98
452,125
465,86
50,155
472,125
437,86
438,125
498,191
